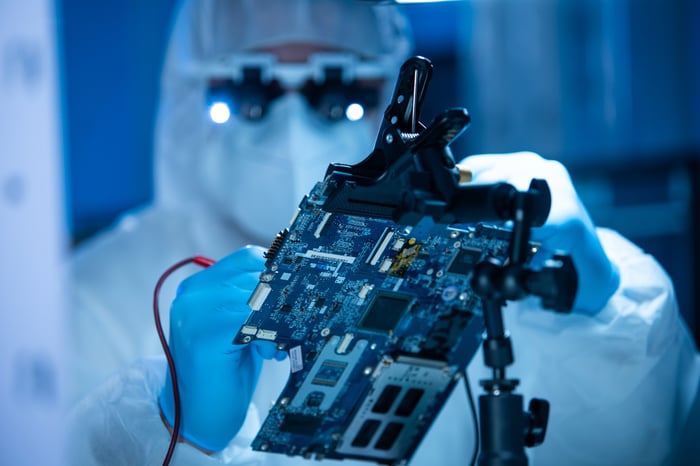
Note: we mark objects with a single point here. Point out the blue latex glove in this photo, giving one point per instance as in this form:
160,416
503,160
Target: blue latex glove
569,228
216,378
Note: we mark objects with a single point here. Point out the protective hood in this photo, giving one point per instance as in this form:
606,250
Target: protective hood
205,31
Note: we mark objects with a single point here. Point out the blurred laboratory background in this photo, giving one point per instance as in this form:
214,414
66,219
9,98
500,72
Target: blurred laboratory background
608,87
34,238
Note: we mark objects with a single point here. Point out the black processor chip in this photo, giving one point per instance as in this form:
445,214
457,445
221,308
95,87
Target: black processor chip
465,261
385,312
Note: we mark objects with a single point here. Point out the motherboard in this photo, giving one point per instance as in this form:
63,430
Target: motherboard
370,289
379,322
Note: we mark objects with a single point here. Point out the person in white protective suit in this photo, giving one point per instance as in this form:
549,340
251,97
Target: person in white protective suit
620,372
221,186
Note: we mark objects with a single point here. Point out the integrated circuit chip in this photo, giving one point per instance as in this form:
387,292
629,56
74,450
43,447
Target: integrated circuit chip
385,311
465,260
329,373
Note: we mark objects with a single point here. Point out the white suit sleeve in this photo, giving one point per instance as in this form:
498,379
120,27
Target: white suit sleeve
120,424
620,383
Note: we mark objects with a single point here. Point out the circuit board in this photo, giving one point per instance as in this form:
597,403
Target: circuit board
369,289
379,322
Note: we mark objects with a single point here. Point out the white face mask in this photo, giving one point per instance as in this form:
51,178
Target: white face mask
258,172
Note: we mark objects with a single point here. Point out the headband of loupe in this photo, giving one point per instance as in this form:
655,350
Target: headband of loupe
338,86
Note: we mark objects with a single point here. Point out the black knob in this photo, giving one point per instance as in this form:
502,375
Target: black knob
537,419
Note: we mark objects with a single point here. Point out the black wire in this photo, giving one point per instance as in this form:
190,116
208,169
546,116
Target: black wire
472,408
171,363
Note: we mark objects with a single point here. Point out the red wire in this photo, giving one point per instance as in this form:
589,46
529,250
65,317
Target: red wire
204,262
